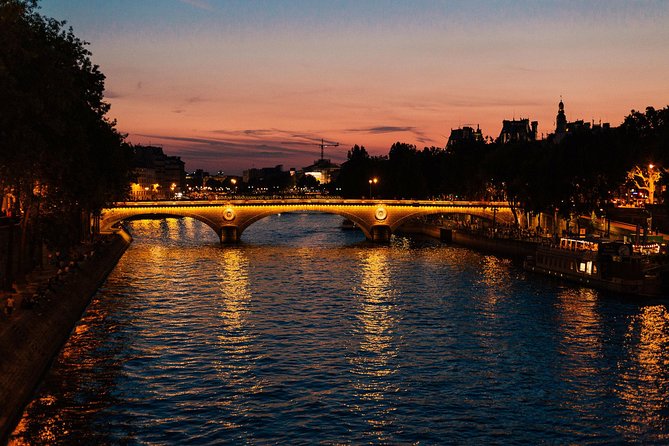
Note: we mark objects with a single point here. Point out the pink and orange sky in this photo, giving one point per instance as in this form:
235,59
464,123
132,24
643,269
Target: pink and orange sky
229,85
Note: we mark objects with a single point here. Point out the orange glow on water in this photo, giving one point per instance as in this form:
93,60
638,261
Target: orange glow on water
378,345
643,375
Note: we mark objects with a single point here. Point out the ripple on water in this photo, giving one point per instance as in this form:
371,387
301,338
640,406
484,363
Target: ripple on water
303,334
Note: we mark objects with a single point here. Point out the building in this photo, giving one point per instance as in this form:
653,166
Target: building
156,176
323,170
564,128
520,130
464,134
268,180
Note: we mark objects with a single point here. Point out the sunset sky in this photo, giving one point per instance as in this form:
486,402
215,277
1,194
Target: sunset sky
229,85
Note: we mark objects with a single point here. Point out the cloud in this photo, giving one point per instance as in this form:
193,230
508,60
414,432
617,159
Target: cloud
199,4
383,129
230,148
287,136
109,94
424,139
234,155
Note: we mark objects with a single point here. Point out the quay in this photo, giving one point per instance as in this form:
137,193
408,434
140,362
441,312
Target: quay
32,337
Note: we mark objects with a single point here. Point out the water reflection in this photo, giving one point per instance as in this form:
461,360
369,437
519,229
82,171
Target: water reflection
236,368
496,277
290,338
580,326
580,351
644,376
48,419
373,362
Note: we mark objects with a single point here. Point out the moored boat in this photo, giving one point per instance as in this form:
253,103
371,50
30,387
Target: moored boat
629,268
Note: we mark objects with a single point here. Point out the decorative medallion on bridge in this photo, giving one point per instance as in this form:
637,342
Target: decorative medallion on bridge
380,213
229,214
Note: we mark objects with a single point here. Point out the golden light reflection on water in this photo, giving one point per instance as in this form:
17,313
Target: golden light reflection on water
643,385
47,432
495,275
378,346
235,292
236,369
52,425
580,326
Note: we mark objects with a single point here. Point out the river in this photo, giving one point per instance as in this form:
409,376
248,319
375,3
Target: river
307,334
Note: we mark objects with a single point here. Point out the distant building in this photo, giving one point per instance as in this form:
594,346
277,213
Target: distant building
560,123
564,128
323,170
268,180
464,134
520,130
156,175
195,180
262,174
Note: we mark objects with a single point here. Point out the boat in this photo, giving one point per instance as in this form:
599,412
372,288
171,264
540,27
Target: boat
348,224
630,268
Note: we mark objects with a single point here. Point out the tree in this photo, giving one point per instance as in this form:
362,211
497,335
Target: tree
59,154
404,177
355,172
646,179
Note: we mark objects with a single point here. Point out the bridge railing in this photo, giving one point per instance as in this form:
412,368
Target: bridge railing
312,200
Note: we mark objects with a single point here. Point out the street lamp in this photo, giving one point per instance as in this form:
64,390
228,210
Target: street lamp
372,181
233,181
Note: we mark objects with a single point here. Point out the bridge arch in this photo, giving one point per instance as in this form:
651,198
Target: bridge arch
359,222
110,221
501,215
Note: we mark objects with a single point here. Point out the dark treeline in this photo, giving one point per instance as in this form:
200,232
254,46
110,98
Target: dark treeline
61,159
580,174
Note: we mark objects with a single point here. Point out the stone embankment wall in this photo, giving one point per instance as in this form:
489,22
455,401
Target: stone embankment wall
504,247
519,249
31,338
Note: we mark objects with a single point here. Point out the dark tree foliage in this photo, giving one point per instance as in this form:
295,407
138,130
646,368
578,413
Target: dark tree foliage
59,154
460,168
355,173
404,176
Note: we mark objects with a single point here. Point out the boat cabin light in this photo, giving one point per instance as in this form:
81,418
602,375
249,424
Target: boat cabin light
578,245
646,249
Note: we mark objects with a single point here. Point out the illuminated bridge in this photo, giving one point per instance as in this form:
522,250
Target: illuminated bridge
378,219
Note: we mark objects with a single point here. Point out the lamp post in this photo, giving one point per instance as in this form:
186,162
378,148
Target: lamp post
233,181
372,181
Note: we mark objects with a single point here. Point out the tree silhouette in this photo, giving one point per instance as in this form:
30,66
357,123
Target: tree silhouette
59,154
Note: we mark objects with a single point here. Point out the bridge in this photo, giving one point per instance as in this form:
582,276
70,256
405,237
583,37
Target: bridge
377,219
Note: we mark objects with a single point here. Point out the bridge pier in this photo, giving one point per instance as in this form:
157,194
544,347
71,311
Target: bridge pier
229,234
380,233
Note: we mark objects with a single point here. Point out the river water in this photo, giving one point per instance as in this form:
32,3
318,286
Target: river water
306,334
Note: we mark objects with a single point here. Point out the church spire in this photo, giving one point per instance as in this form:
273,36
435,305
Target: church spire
560,121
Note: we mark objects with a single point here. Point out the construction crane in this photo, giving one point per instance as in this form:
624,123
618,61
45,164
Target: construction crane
322,145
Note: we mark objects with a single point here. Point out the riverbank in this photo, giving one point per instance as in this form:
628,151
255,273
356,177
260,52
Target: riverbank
32,336
506,247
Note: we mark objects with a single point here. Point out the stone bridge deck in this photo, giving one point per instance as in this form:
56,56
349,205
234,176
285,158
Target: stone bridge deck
377,219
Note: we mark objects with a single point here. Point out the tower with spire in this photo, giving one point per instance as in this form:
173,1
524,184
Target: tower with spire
560,122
